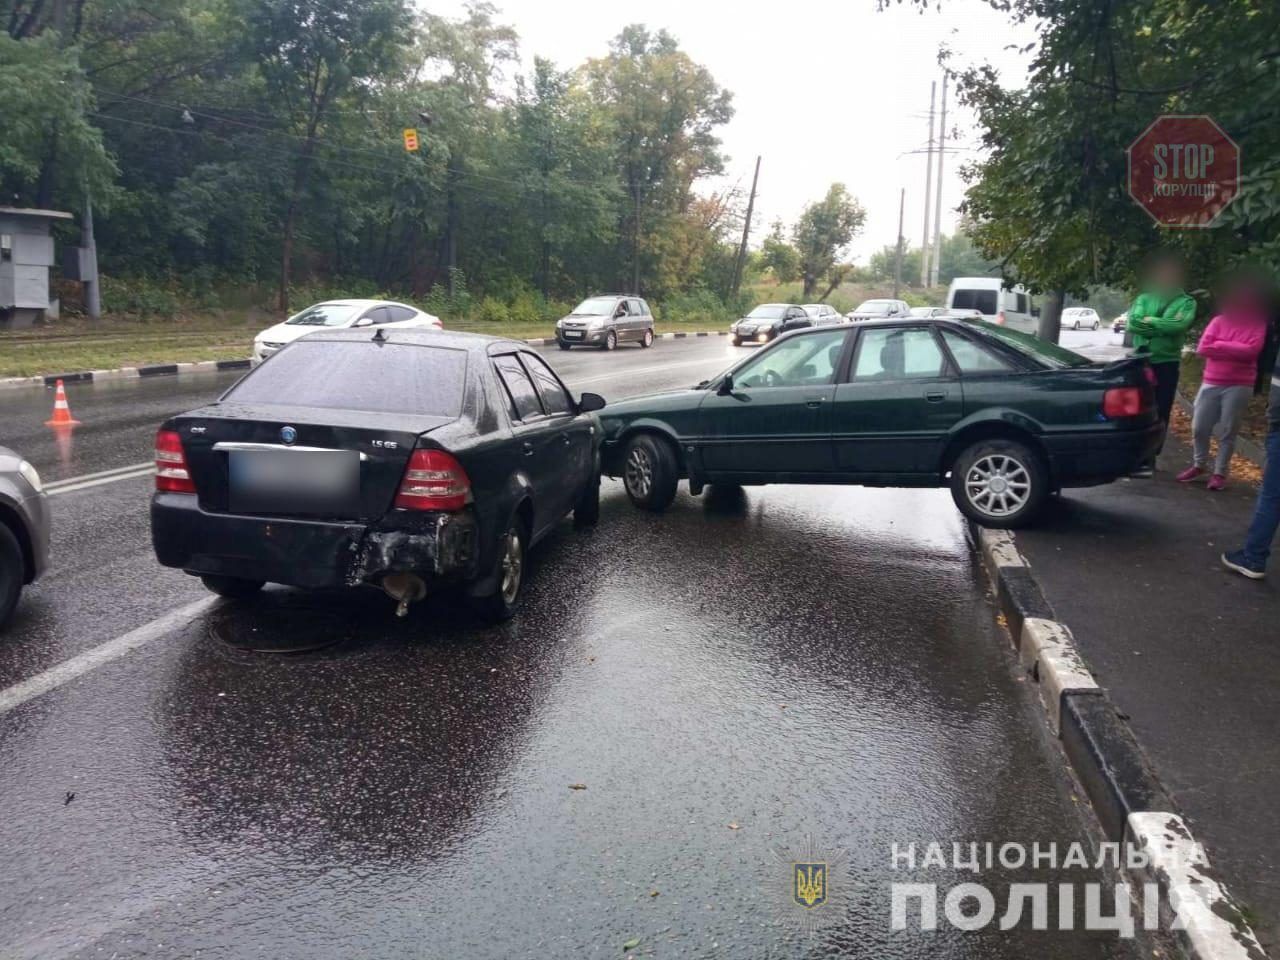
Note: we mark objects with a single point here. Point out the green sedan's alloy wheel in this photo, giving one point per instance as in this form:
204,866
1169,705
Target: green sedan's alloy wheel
512,567
648,339
650,472
611,340
999,483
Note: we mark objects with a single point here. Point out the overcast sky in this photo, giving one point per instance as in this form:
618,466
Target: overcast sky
824,90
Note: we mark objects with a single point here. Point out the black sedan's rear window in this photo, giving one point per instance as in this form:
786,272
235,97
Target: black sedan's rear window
360,375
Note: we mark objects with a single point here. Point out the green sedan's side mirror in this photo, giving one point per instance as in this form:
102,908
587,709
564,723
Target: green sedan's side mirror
590,402
726,385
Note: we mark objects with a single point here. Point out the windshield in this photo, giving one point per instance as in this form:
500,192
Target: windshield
595,307
922,311
768,311
1047,353
873,306
326,315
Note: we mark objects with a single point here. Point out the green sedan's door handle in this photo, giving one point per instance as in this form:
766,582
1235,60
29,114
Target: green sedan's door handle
935,396
813,403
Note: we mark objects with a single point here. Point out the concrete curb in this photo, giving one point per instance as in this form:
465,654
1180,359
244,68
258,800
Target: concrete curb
208,366
1131,805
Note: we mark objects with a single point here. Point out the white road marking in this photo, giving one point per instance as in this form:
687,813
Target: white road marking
69,670
97,479
626,371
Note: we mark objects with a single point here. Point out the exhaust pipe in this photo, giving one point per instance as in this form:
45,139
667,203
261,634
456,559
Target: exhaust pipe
404,588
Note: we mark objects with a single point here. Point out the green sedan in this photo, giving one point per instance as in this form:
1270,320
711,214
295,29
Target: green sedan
1000,417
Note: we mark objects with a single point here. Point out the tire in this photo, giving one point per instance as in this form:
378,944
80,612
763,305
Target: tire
505,600
1021,496
737,341
611,340
233,588
562,345
647,340
12,573
1096,325
650,472
1076,326
586,512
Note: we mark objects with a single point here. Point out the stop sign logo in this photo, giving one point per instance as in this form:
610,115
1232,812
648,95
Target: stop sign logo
1184,170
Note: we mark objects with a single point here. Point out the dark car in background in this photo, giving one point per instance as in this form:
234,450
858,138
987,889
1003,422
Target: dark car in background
403,459
606,321
1002,418
767,322
24,529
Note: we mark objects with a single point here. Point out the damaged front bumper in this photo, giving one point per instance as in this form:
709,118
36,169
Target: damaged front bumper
312,553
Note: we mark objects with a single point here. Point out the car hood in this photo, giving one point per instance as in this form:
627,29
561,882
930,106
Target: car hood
288,332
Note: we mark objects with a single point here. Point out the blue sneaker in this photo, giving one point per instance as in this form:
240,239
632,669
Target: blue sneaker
1237,561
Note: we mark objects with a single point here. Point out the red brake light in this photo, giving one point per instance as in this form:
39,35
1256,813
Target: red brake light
434,480
172,475
1125,402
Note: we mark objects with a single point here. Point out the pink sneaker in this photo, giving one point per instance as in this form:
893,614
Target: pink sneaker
1217,482
1189,474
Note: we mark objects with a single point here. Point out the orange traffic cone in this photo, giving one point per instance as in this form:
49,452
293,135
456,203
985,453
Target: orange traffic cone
61,412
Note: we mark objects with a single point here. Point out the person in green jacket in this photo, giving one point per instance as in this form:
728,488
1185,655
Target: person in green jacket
1160,319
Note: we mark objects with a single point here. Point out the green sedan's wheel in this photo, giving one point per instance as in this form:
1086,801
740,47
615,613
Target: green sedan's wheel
999,483
650,472
647,341
611,340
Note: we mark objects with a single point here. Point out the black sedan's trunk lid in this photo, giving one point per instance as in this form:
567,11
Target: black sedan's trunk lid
362,457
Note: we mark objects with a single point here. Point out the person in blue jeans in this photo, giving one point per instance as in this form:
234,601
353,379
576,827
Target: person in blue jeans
1251,559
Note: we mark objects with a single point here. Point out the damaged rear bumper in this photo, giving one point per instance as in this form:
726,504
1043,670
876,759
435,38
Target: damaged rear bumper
311,553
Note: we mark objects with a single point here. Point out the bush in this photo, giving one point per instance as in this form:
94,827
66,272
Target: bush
492,310
140,296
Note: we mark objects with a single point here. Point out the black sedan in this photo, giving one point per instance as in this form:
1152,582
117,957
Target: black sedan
404,459
767,322
1000,417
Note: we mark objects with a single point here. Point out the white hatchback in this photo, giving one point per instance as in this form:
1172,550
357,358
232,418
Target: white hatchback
336,314
1081,318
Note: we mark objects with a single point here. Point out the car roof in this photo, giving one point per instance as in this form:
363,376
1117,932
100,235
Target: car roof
449,339
774,305
353,302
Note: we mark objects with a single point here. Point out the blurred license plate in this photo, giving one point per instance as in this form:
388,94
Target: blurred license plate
573,334
294,481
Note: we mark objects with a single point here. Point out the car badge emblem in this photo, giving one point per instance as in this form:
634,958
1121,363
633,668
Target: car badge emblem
288,434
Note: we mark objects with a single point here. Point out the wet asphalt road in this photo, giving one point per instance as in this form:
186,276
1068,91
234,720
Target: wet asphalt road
747,670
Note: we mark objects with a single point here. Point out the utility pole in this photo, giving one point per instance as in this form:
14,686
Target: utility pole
89,261
897,267
928,190
937,199
746,231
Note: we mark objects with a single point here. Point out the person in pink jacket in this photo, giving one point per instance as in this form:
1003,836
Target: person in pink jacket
1230,345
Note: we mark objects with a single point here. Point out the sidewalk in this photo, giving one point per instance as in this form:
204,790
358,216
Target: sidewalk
1189,652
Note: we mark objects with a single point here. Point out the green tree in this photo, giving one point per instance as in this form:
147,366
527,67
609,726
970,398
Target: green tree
778,256
665,110
311,54
824,229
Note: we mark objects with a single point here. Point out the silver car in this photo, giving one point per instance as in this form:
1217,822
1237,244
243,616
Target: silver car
24,529
823,315
606,321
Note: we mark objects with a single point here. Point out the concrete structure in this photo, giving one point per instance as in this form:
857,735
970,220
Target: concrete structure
26,254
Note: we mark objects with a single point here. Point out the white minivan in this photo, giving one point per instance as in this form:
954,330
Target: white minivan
1007,307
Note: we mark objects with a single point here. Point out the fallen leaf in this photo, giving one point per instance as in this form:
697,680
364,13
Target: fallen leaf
577,786
631,944
734,826
653,893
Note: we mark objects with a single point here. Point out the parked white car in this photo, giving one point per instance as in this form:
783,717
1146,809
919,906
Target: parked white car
822,315
337,314
879,310
1006,307
1081,318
